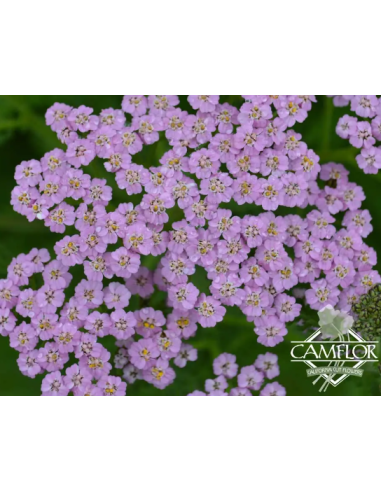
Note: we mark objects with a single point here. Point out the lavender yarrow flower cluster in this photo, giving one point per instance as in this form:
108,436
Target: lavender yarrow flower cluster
217,155
249,379
364,132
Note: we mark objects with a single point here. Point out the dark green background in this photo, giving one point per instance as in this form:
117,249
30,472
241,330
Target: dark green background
23,136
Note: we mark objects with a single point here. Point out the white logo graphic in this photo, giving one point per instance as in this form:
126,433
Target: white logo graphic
337,358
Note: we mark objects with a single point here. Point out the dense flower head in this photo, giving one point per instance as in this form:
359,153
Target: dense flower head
219,154
362,130
234,381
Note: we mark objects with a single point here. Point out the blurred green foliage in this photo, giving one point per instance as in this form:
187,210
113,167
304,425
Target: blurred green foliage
24,136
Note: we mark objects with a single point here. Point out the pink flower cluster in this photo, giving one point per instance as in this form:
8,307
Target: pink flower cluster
218,154
362,133
250,378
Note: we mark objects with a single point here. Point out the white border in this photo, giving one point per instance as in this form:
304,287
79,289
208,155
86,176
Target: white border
176,445
278,47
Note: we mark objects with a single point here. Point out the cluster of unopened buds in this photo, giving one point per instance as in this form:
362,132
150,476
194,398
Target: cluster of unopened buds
218,155
368,314
364,132
250,378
